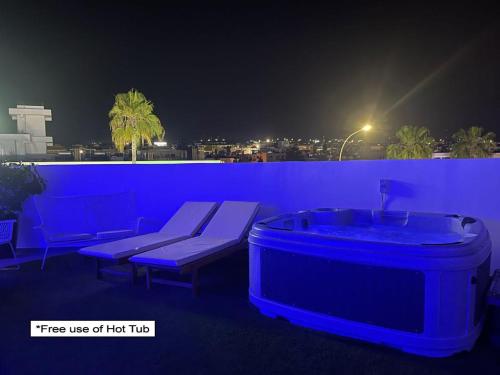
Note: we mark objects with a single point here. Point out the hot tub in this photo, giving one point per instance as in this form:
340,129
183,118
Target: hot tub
413,281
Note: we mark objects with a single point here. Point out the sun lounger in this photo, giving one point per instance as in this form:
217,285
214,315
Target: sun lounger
223,234
185,223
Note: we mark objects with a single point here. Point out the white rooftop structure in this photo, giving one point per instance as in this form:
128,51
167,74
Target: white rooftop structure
31,137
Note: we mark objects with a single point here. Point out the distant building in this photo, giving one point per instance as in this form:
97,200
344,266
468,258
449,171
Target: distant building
162,153
441,155
31,137
59,152
193,153
268,156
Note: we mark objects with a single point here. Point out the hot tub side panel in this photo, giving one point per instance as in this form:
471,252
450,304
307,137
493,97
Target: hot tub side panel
387,297
433,312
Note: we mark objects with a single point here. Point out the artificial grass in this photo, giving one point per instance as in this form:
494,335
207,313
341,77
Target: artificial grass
216,333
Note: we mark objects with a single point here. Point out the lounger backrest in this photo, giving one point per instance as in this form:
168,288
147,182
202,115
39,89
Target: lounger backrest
232,220
189,218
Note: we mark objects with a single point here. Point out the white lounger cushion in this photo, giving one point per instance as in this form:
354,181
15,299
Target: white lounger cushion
227,228
189,218
192,214
183,252
127,247
231,220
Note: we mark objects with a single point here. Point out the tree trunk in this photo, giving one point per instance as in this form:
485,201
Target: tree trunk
134,151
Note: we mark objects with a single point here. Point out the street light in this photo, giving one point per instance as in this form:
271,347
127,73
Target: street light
365,128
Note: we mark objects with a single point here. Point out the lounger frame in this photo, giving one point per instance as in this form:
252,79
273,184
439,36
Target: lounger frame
100,268
191,268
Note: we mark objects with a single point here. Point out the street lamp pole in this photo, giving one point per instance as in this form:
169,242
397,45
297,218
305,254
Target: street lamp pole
364,128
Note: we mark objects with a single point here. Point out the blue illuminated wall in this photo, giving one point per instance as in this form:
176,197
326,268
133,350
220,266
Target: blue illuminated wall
470,187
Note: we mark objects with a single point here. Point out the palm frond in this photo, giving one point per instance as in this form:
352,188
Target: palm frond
471,143
413,143
132,120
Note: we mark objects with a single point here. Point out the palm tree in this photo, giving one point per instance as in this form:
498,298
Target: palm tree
132,121
471,143
415,142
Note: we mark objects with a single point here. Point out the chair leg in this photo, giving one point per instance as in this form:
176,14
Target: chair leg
17,266
12,250
44,257
14,267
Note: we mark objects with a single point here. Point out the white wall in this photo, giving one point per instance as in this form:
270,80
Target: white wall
469,187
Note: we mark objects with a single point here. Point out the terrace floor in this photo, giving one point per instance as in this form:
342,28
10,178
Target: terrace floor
219,332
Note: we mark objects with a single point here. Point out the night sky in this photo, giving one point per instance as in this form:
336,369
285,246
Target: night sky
253,69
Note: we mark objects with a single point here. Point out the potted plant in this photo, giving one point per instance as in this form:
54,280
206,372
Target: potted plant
17,183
